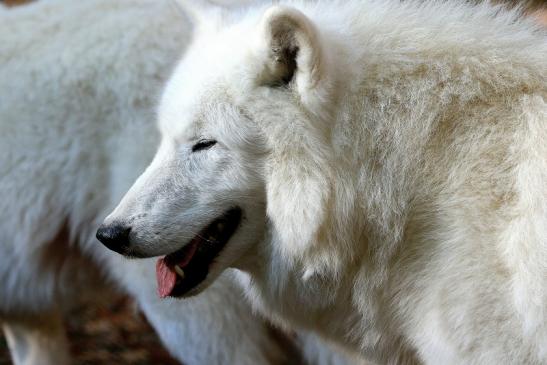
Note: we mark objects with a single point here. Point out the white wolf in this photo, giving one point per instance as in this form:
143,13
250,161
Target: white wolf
377,169
78,81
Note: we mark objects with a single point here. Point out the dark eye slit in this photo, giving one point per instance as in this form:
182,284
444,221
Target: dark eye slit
203,144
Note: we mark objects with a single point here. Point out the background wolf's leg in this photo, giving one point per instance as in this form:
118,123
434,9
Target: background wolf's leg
37,340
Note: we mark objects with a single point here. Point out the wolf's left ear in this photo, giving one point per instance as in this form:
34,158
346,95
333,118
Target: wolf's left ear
291,51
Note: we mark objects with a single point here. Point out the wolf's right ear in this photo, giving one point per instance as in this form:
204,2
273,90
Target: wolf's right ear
205,15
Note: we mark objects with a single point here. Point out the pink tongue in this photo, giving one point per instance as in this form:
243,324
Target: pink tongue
165,277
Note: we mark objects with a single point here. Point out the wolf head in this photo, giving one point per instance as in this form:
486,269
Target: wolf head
244,160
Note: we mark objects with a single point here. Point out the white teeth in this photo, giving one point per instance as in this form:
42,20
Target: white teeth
179,271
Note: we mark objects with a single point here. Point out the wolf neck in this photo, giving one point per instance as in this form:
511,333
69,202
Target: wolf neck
398,104
358,239
366,217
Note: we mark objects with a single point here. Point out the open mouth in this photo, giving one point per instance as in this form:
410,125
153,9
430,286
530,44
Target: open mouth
179,272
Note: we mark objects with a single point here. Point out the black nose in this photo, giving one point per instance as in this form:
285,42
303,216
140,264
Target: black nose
114,236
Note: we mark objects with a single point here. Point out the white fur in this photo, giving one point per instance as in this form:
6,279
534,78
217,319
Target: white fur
394,191
79,81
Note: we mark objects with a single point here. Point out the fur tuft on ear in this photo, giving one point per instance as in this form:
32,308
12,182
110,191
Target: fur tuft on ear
292,49
298,186
298,194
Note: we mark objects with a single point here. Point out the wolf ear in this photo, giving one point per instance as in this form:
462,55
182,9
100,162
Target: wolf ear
291,49
205,15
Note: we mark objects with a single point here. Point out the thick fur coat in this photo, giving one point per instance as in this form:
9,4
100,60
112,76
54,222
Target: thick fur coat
390,165
79,82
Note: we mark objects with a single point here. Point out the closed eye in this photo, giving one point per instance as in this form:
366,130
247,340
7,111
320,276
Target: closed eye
203,144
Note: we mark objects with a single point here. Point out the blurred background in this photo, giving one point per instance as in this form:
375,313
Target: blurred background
113,333
116,333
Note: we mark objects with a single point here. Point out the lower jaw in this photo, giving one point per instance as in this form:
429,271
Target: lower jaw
197,272
250,261
194,278
183,291
213,274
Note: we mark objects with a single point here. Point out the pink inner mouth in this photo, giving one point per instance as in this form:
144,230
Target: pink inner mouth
166,275
179,272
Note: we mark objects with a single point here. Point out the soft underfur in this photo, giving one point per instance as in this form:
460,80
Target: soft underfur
79,81
390,160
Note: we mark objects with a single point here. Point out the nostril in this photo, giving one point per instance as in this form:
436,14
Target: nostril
114,236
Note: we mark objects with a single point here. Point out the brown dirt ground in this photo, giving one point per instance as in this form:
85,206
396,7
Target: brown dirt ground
112,334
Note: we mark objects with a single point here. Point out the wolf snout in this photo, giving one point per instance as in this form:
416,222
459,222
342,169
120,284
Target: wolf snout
115,236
